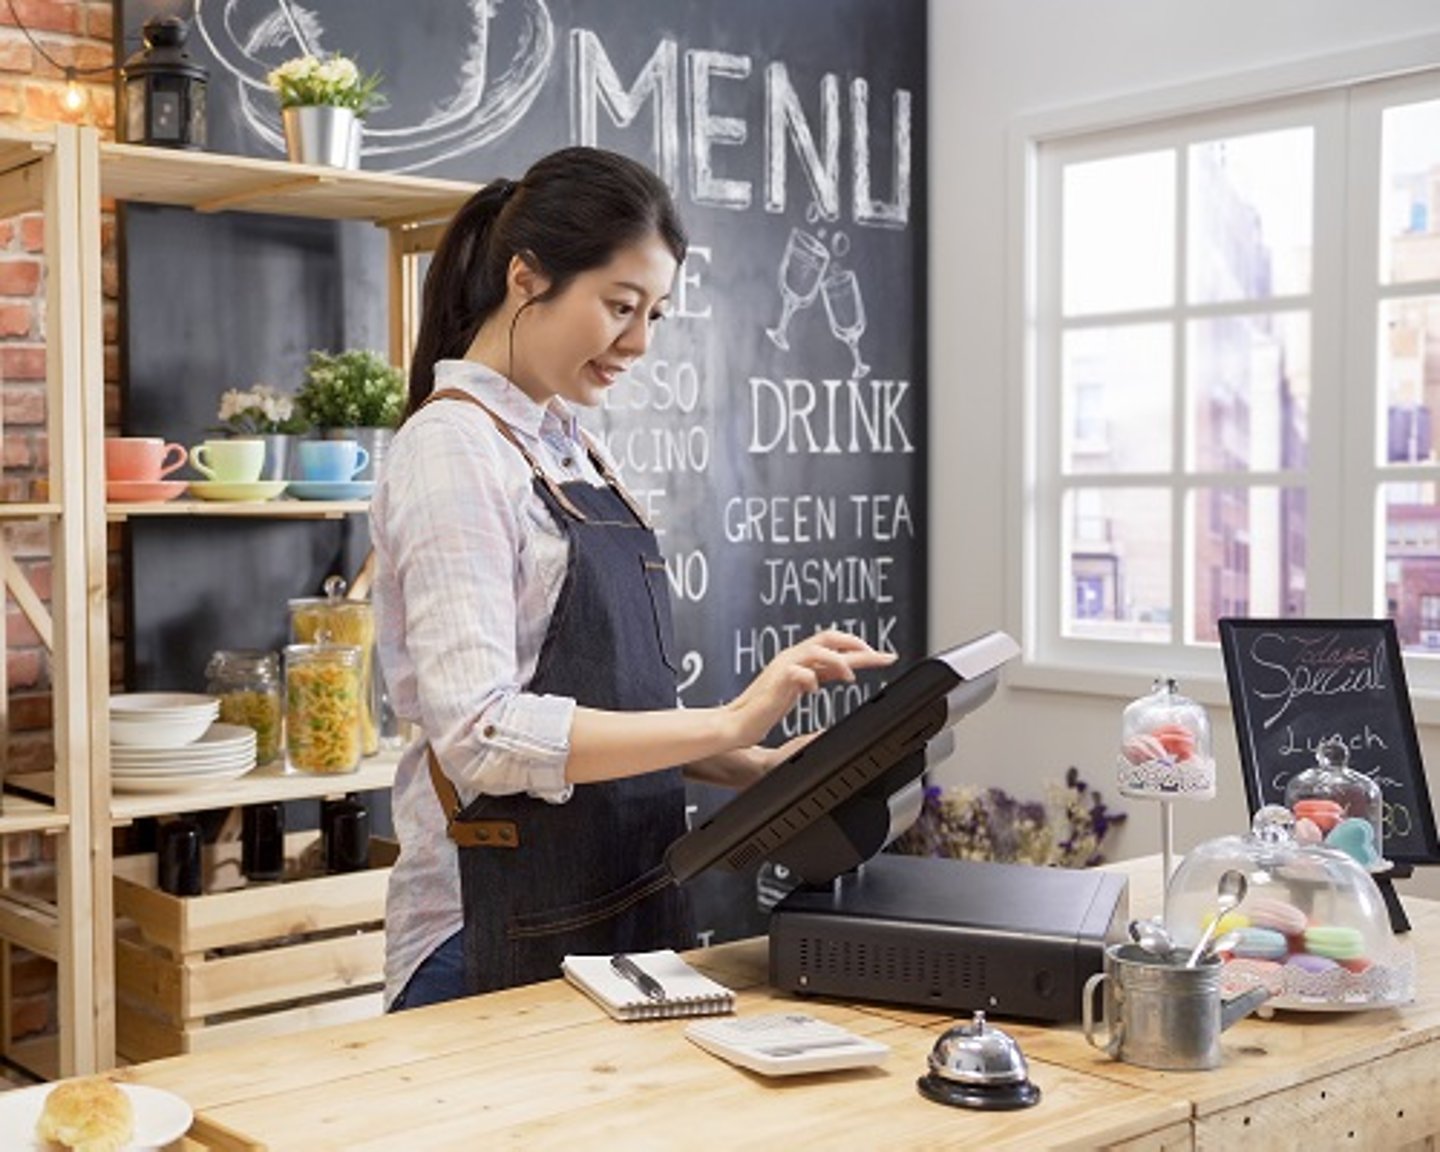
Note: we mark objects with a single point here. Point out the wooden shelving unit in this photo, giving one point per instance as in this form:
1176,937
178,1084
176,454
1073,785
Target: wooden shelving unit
69,173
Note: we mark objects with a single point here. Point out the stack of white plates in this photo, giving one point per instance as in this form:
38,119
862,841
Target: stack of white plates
165,741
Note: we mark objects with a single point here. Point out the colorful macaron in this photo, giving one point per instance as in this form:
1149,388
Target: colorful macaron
1336,941
1324,814
1282,916
1142,749
1261,944
1177,740
1306,962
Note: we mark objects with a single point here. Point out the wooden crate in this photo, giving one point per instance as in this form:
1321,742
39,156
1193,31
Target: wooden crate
197,973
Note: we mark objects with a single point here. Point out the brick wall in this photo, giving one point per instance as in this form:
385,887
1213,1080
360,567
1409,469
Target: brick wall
77,34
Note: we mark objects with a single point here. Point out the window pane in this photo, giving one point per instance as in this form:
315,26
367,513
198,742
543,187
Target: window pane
1118,549
1409,349
1251,218
1249,555
1410,193
1412,563
1118,399
1118,234
1249,392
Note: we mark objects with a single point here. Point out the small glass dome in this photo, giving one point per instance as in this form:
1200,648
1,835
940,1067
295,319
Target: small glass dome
1165,747
1339,807
1312,926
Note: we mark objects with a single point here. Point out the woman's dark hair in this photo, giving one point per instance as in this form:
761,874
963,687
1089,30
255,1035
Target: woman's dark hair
572,211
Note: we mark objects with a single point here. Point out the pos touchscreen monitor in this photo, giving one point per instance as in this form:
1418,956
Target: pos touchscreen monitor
840,799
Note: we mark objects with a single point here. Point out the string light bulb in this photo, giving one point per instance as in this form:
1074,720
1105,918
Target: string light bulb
74,98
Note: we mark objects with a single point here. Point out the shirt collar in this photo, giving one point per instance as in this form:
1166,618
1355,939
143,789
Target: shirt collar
507,401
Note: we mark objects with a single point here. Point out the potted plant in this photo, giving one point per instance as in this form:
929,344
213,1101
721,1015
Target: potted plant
354,394
267,413
323,103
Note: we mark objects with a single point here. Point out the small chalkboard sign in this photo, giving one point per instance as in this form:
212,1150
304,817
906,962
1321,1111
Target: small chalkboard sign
1296,683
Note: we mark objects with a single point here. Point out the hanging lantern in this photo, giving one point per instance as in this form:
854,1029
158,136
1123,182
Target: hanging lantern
164,89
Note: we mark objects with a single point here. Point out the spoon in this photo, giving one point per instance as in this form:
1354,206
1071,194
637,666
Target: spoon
1225,942
1228,893
1152,937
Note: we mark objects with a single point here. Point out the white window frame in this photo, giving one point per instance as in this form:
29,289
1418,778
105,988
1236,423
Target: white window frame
1337,464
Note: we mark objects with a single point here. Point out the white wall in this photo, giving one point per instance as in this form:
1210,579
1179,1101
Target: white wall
991,62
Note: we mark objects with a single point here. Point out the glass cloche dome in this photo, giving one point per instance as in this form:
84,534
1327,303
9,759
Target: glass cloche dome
1339,807
1165,747
1312,926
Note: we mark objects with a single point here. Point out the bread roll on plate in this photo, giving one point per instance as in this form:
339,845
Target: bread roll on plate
87,1115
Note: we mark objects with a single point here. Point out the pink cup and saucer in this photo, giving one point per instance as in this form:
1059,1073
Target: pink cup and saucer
136,467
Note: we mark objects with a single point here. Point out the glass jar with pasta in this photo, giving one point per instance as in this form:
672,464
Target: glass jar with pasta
346,622
247,683
322,708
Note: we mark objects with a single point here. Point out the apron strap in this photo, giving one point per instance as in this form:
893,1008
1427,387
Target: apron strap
611,479
468,833
504,429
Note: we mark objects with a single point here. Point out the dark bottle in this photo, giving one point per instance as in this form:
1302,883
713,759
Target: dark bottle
180,864
262,841
345,825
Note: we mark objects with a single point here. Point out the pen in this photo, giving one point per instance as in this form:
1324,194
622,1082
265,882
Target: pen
622,965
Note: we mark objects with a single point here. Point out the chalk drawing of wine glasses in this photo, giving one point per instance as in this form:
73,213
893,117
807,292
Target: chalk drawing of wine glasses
250,37
846,312
801,270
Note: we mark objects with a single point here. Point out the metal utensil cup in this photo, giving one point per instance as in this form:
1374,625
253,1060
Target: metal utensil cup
1160,1012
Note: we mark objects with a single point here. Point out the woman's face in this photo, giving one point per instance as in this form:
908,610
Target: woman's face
581,342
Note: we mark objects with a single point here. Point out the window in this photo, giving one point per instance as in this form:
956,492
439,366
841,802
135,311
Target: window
1235,321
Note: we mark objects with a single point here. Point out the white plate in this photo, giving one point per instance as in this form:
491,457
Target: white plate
219,737
152,703
160,1117
242,762
178,782
164,732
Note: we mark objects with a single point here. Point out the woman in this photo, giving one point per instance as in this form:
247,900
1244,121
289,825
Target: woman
524,620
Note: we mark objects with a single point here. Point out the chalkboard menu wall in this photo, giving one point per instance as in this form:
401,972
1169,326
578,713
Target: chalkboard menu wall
776,431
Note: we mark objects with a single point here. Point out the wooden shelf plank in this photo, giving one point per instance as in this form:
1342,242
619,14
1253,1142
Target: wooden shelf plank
209,180
30,922
256,509
269,783
22,814
29,510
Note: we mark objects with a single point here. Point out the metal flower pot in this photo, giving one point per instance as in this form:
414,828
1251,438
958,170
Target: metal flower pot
323,134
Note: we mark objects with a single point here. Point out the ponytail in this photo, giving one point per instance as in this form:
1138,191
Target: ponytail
462,288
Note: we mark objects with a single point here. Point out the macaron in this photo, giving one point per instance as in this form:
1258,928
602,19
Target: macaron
1261,944
1307,831
1142,749
1284,917
1306,962
1356,838
1177,740
1336,941
1324,814
1240,975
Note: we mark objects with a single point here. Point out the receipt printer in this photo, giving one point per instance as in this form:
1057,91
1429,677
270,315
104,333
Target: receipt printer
952,935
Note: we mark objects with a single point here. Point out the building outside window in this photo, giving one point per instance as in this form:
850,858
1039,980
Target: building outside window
1234,374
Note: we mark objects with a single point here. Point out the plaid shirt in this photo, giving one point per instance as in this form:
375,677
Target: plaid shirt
469,567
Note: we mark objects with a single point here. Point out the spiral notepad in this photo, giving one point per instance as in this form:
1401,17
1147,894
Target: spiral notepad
687,992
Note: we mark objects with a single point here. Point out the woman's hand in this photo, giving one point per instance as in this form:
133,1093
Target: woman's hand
819,659
744,766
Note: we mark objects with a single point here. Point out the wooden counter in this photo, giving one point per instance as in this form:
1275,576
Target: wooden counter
544,1068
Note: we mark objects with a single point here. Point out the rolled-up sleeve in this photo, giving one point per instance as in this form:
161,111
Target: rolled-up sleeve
471,570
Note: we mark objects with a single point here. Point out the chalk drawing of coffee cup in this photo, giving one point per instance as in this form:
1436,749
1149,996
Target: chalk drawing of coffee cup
469,104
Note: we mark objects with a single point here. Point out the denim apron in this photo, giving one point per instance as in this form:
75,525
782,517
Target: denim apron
541,880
